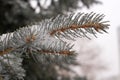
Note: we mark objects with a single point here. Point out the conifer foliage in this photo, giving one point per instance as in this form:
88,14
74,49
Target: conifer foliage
44,41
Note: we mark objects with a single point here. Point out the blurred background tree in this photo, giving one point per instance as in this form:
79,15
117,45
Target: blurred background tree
17,13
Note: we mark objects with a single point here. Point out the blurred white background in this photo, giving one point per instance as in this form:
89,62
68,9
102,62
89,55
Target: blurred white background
109,42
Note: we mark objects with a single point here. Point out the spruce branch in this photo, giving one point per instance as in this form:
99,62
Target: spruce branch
11,65
39,39
78,25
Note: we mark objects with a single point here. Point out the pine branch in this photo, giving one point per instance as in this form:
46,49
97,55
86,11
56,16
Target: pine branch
39,39
11,65
78,25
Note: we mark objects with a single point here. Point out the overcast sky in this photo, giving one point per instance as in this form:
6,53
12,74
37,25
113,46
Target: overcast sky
109,42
